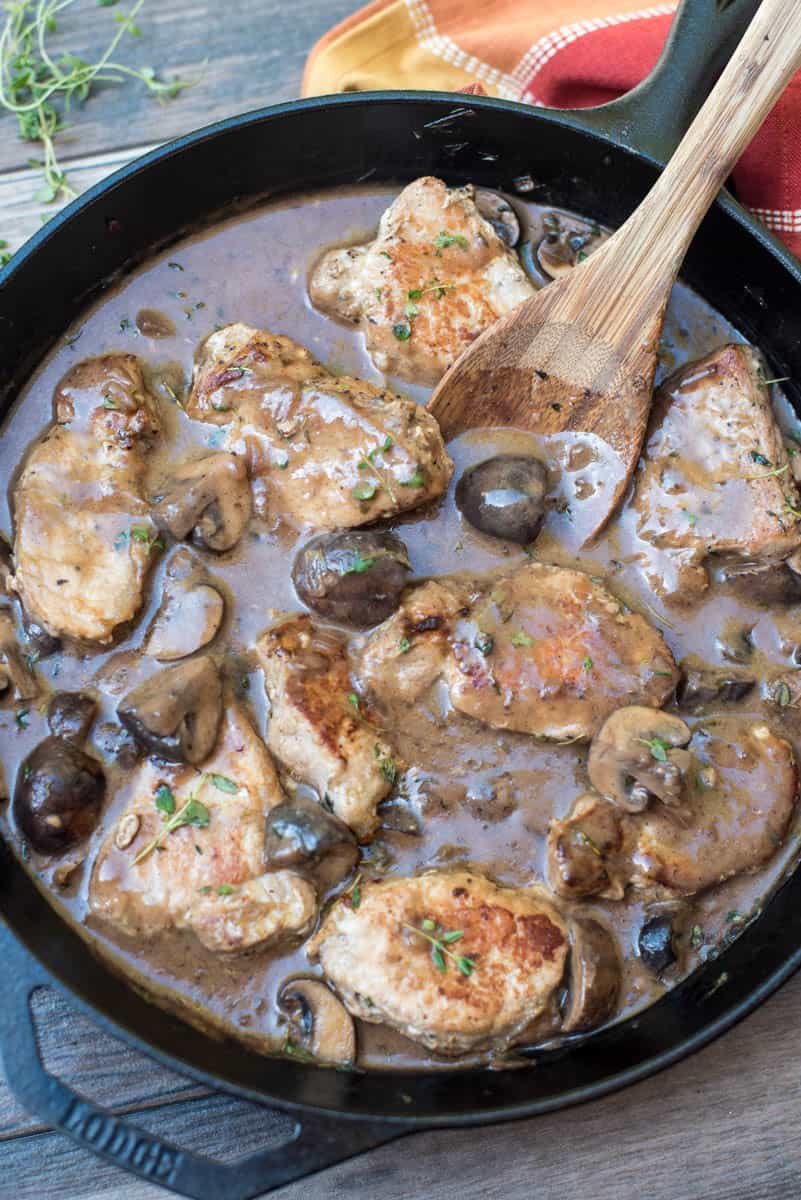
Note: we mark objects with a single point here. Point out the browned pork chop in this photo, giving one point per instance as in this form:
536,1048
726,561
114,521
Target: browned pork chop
324,451
83,539
436,275
207,876
382,965
543,651
742,795
318,726
715,478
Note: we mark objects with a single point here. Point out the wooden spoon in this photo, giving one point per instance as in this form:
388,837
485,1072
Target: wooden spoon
581,354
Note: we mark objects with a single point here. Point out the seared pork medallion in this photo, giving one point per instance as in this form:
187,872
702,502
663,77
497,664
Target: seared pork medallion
437,275
325,451
349,759
715,477
733,795
319,727
187,851
448,958
545,651
84,538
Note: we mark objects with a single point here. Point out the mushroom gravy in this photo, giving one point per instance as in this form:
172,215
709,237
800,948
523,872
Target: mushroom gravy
466,792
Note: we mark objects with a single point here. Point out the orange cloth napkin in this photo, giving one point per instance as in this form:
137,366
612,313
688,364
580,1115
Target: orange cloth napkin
562,53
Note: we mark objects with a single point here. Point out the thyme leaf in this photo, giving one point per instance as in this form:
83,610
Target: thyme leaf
440,940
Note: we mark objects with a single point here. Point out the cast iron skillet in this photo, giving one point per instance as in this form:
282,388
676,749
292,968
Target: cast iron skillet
599,162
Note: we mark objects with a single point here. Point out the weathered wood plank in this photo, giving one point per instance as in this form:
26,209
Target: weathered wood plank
21,214
243,54
723,1125
102,1068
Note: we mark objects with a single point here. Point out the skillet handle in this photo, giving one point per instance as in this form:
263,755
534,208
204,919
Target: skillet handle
653,117
317,1142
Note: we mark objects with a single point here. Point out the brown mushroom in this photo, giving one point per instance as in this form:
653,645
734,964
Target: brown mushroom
190,613
70,715
302,835
499,212
58,795
13,670
595,976
697,689
318,1020
637,754
209,498
176,713
568,241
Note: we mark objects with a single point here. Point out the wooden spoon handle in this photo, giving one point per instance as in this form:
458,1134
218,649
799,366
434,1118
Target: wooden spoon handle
645,254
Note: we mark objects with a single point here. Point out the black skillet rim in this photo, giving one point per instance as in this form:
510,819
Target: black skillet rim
703,987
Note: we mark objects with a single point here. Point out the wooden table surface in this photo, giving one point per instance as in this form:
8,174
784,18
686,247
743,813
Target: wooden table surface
724,1125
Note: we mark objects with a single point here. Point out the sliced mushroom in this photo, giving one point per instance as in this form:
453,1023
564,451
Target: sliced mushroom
595,976
768,583
637,754
567,242
586,851
318,1020
58,795
499,212
70,715
211,498
13,669
302,834
698,689
190,613
176,713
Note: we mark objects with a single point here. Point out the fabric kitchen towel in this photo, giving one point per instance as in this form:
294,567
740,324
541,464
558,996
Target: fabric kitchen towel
563,53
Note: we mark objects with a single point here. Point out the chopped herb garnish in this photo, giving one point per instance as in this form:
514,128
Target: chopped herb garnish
587,664
354,894
696,937
411,310
165,800
734,917
414,481
192,813
109,403
386,764
224,784
658,747
360,565
386,254
225,889
404,645
402,331
760,459
175,266
692,519
146,537
365,491
298,1052
388,444
440,952
353,700
121,540
444,239
522,639
484,643
21,717
782,695
585,840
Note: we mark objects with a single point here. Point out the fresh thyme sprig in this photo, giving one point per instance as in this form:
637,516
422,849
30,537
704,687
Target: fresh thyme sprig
441,940
40,89
191,813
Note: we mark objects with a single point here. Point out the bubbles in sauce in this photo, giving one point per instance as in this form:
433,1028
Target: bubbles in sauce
469,792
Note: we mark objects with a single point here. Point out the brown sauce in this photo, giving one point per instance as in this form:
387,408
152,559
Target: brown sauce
470,793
